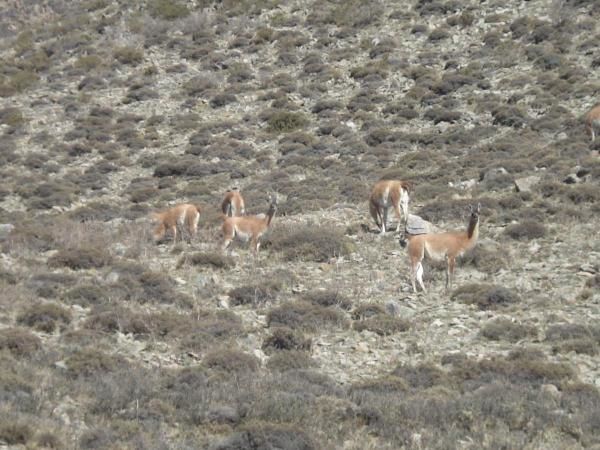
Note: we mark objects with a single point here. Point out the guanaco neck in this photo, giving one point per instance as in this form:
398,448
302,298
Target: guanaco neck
473,228
270,214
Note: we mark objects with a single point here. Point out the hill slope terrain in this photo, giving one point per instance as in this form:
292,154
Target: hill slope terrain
111,110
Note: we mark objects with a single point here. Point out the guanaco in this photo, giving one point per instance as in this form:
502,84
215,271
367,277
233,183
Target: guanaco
233,203
248,227
386,193
592,122
437,246
183,217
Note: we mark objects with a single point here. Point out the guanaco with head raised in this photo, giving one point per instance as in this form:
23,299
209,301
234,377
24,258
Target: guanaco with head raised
592,122
438,246
248,227
388,193
233,203
183,217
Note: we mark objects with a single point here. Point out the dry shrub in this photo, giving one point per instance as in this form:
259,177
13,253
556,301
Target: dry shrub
86,295
231,361
367,310
507,330
382,324
485,296
80,258
328,298
303,315
290,360
14,431
89,362
285,338
262,435
528,229
211,259
19,342
309,243
487,259
255,294
45,317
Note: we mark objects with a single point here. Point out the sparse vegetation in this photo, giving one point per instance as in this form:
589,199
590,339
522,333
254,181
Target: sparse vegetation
113,110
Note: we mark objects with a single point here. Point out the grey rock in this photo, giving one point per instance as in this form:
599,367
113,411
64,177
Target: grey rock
526,184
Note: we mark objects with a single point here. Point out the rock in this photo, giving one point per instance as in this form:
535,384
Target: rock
418,225
525,184
493,174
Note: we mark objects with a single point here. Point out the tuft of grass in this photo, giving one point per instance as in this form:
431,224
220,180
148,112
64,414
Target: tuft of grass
328,298
89,362
128,55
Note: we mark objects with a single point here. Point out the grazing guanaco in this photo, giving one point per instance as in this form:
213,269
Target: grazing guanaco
592,122
388,193
183,217
248,227
437,246
233,203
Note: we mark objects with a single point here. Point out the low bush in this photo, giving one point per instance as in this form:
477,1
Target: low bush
80,258
507,330
231,361
312,243
19,342
89,362
290,360
285,338
328,298
285,121
305,316
45,317
382,324
528,229
485,296
255,294
212,259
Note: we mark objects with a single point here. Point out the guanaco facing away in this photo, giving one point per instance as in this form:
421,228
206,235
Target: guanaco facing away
592,122
388,193
183,217
248,227
233,203
437,246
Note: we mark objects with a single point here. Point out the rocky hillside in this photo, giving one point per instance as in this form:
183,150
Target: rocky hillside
111,110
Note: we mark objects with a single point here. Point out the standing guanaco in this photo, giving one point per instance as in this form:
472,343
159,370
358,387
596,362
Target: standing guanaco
233,203
183,217
438,246
592,122
248,227
386,193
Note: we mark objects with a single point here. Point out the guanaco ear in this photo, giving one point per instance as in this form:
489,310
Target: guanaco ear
478,207
470,209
